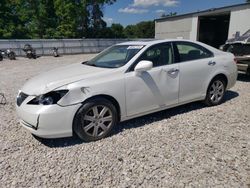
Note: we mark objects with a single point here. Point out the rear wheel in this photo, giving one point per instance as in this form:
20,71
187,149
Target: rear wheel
215,92
95,119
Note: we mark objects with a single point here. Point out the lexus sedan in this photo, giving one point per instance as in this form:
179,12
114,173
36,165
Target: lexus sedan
125,81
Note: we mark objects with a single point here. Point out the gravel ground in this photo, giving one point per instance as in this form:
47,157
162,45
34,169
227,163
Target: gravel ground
188,146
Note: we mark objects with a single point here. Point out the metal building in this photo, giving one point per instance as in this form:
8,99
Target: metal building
213,26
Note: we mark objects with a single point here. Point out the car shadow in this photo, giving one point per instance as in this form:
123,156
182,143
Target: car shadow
136,122
166,114
243,77
59,142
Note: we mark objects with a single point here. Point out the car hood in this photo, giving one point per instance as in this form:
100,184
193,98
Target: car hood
59,77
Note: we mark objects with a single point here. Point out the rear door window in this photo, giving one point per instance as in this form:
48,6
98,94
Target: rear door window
190,51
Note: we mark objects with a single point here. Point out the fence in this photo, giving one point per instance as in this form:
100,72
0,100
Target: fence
65,46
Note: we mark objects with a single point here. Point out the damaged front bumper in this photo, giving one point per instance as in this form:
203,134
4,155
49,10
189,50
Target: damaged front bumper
51,121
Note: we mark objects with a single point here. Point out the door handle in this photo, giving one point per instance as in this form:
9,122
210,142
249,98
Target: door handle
211,63
173,71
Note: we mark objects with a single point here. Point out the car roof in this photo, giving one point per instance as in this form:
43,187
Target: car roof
151,42
157,41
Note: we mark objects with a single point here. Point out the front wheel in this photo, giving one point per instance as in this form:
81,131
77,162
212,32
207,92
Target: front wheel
95,119
215,92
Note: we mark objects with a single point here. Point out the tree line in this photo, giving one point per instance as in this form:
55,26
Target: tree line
21,19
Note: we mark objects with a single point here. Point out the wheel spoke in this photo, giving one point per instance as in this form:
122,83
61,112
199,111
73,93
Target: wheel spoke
95,111
220,87
89,126
95,132
217,83
213,96
220,92
104,111
212,92
216,98
108,118
214,86
89,118
103,127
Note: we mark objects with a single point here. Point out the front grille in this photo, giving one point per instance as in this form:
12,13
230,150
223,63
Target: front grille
20,98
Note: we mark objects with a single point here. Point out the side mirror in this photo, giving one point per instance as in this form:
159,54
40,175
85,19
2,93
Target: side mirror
143,66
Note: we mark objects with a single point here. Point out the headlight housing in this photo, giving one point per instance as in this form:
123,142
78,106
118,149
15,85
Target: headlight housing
20,98
49,98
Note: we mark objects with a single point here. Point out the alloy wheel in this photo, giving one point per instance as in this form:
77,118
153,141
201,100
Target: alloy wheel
97,120
216,91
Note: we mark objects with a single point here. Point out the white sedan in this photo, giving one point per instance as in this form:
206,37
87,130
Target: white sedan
125,81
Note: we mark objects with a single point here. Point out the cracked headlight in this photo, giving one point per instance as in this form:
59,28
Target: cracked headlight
49,98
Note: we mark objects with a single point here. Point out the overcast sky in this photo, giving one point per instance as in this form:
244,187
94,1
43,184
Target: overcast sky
128,12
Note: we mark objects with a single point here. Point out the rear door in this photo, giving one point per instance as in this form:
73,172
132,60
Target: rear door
196,64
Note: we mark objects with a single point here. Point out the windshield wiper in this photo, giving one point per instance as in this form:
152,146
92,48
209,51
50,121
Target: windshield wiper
86,63
93,65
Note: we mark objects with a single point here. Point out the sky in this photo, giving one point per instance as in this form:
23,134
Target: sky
128,12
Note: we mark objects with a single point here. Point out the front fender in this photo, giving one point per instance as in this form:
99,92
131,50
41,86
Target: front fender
81,91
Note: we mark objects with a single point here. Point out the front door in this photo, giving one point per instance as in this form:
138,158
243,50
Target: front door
156,88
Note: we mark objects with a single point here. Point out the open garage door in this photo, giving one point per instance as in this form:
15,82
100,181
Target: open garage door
213,29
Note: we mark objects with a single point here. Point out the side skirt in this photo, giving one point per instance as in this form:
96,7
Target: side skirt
160,109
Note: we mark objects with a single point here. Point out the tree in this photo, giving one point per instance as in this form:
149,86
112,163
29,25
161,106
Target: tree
11,25
5,13
130,31
83,22
140,30
48,21
145,29
67,14
169,15
32,19
117,31
53,18
95,12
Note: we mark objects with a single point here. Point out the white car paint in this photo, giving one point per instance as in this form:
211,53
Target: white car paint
136,94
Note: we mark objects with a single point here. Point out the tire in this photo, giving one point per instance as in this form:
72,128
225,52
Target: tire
12,56
55,54
215,92
95,119
1,58
248,70
29,55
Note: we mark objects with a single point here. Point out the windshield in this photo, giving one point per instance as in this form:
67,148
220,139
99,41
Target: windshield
115,56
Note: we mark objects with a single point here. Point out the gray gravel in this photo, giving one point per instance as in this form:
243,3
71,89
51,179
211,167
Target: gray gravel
188,146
